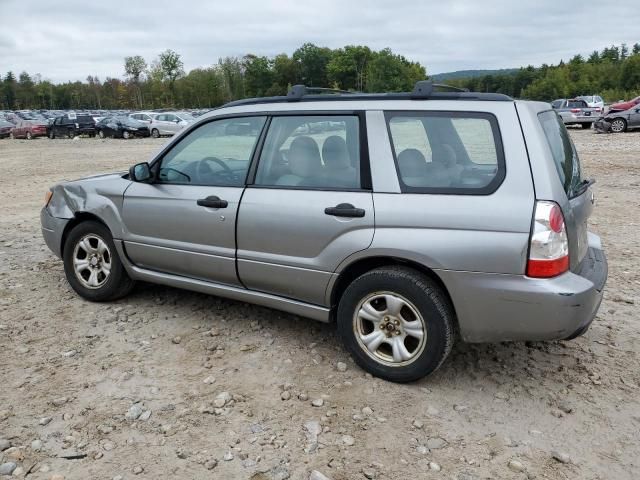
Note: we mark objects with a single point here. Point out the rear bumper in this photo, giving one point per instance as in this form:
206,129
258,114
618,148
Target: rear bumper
496,307
52,230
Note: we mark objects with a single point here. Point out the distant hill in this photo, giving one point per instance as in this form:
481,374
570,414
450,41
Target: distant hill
440,77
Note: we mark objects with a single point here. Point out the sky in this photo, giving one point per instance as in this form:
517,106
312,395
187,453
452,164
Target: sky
71,39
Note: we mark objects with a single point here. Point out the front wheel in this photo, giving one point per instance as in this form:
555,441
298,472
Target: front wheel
155,133
100,133
29,136
397,323
126,135
91,263
618,125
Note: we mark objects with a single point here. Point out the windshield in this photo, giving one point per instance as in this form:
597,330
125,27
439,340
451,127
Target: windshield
186,116
563,151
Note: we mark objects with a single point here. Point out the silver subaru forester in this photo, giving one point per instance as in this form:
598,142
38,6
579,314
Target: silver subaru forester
406,218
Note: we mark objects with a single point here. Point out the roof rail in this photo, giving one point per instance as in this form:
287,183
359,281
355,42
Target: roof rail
424,88
298,91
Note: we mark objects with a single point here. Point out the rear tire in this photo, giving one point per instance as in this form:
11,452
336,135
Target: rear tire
98,280
71,134
618,125
101,134
29,136
155,133
397,323
126,135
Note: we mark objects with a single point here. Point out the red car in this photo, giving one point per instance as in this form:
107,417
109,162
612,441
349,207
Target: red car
29,129
619,107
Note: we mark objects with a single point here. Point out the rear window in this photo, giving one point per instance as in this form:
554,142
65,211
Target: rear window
563,151
577,104
447,152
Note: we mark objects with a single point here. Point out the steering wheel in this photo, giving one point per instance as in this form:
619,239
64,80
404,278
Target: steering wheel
203,167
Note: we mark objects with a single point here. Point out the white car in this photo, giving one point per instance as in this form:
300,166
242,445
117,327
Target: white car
169,123
594,101
144,117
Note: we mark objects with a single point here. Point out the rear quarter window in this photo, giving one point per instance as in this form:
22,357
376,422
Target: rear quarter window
563,151
447,152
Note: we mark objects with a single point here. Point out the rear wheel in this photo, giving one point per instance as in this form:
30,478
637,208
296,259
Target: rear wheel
91,263
126,135
71,133
618,125
29,136
397,323
155,133
100,133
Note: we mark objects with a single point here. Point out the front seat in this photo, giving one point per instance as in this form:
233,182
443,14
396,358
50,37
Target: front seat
337,164
304,163
413,167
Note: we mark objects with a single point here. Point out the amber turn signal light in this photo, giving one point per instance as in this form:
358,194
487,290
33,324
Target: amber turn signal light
47,198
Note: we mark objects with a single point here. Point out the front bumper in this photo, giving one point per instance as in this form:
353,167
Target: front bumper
497,307
52,230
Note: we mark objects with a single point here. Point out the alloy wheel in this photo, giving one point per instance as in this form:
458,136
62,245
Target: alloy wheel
389,329
618,125
92,261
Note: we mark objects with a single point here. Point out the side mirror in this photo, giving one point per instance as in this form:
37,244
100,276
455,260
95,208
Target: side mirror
177,120
140,172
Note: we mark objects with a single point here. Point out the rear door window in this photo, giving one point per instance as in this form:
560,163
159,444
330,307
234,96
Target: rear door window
563,151
447,152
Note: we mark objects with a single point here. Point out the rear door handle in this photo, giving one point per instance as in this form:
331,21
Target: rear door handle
213,202
344,210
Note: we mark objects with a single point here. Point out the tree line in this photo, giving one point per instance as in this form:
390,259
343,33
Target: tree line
613,73
164,83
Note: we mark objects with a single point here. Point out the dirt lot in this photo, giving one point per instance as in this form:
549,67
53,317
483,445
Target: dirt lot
74,375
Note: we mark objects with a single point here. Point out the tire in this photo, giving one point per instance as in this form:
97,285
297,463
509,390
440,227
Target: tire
126,135
155,133
100,133
12,136
104,286
52,135
29,136
71,134
618,125
361,314
585,126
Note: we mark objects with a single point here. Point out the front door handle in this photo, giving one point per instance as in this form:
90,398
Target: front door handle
213,202
344,210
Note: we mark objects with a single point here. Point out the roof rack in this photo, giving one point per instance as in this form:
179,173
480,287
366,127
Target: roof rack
298,91
423,90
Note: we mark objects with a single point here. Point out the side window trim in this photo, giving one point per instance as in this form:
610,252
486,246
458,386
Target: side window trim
365,170
156,163
497,137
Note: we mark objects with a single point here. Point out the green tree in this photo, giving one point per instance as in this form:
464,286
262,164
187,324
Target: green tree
312,61
348,67
172,68
258,75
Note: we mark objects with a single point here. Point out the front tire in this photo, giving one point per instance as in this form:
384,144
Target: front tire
618,125
29,136
397,323
91,263
155,133
126,135
101,134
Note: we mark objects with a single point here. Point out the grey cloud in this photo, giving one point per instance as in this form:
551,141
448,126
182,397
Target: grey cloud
72,39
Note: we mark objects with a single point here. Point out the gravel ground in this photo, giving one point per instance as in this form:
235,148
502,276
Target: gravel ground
173,384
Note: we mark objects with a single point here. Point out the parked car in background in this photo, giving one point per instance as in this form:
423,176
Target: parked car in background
421,217
144,117
170,123
29,129
121,127
623,106
5,128
625,120
593,101
575,111
71,125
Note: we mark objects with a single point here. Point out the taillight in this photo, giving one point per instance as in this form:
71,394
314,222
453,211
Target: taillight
575,110
549,246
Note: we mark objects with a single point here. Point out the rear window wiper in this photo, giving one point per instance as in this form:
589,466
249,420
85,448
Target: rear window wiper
583,186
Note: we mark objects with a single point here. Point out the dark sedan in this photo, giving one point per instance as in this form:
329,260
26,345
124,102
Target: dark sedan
5,128
121,127
71,125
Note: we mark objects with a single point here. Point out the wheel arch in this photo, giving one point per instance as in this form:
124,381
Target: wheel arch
363,265
78,218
